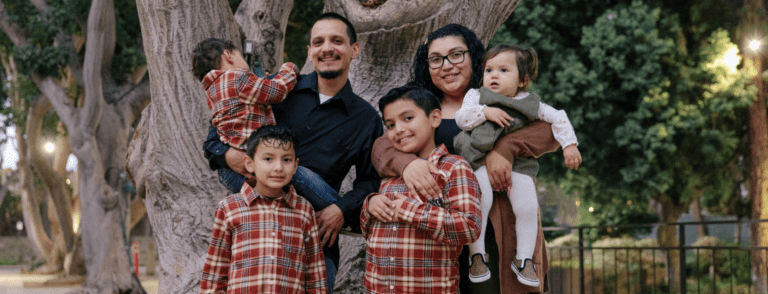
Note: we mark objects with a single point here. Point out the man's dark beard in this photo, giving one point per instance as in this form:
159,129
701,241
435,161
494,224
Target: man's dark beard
329,74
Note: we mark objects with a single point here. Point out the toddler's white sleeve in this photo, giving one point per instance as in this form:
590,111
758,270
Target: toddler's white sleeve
561,125
471,113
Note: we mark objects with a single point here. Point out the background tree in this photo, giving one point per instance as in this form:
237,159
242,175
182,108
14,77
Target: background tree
33,120
166,162
96,97
754,27
657,102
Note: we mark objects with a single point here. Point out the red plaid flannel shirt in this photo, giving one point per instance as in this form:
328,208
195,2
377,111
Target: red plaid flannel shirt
419,253
240,102
261,245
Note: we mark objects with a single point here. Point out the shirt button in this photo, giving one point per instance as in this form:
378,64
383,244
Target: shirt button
394,228
391,287
391,259
273,233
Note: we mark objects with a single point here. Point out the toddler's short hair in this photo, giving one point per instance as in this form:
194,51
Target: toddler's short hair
277,135
423,98
527,61
207,55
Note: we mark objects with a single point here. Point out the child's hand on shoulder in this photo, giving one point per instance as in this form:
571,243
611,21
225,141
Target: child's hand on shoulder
572,156
498,116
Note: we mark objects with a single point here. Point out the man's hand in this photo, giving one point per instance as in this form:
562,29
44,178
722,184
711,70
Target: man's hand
329,222
498,116
572,156
499,171
234,158
381,208
418,177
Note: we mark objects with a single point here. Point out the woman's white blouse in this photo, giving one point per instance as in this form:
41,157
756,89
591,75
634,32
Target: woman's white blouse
471,115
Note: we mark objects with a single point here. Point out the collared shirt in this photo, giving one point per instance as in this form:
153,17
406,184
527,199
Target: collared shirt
334,136
263,245
240,101
419,252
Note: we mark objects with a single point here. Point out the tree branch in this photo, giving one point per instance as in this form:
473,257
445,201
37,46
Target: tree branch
17,35
58,97
134,102
99,48
41,5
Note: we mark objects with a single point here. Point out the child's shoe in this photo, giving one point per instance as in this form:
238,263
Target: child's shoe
526,272
478,268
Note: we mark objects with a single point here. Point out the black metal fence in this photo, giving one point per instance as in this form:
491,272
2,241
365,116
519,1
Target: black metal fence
629,266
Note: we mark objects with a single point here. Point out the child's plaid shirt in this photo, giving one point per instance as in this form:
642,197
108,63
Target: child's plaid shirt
261,245
240,101
419,252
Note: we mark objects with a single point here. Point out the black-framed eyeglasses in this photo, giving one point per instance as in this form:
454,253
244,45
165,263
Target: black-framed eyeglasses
455,57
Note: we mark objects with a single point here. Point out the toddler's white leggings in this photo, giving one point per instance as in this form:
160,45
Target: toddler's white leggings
525,205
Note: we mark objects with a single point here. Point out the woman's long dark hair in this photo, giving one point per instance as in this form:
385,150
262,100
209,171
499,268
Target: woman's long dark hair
420,69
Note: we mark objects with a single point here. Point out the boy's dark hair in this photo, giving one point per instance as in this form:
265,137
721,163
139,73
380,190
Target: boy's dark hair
207,55
420,69
527,61
278,134
421,97
332,15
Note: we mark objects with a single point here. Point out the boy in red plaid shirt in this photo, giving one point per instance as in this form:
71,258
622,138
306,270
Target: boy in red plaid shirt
241,102
414,242
238,99
265,238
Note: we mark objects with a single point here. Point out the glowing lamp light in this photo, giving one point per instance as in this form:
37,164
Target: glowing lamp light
731,59
591,209
19,226
49,147
754,45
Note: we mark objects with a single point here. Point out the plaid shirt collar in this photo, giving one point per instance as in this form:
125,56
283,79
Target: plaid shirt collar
250,194
309,82
434,157
211,77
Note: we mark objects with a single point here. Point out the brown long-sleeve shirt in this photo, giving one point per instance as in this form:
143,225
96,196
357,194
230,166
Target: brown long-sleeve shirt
533,140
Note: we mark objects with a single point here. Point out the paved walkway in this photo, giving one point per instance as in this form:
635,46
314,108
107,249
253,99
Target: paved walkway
12,282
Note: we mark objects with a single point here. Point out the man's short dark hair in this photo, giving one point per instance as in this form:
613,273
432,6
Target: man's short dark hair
277,135
423,98
332,15
207,55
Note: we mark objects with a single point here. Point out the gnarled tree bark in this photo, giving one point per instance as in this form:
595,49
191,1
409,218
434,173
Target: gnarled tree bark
165,159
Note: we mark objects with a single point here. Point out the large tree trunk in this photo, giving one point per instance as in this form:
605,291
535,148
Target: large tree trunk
752,26
758,137
264,22
390,34
98,134
165,157
56,250
166,160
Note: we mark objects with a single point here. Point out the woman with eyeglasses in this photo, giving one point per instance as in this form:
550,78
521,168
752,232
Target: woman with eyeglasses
448,64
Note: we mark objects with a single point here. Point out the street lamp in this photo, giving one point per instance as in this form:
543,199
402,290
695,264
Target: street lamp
754,45
19,226
49,147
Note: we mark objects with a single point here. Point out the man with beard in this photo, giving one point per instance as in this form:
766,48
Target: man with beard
335,129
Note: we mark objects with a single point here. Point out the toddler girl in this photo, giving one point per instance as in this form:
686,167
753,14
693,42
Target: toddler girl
503,106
